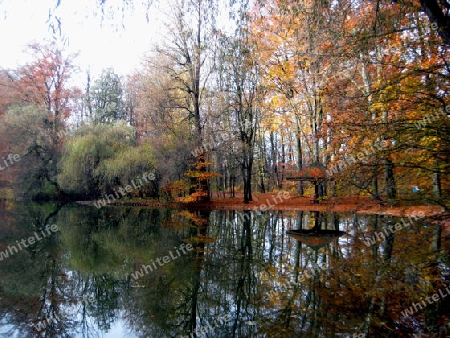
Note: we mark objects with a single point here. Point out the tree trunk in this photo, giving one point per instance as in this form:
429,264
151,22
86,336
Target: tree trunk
390,180
375,195
273,151
247,177
261,183
440,21
299,161
437,188
283,162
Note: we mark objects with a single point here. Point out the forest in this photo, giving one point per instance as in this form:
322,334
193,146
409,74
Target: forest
359,88
273,168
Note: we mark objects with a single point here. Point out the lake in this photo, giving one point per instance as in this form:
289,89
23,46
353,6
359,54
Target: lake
79,271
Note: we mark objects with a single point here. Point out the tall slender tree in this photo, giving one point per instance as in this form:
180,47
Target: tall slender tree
190,51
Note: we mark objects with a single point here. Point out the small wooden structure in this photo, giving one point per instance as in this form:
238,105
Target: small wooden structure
315,240
315,173
315,237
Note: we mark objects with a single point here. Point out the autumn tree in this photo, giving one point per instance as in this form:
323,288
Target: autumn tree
438,13
40,103
9,93
189,49
240,82
161,120
297,63
393,74
43,82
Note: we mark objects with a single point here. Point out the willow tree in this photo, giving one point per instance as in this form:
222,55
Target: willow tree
29,131
81,166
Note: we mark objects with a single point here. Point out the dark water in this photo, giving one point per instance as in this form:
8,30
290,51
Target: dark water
139,272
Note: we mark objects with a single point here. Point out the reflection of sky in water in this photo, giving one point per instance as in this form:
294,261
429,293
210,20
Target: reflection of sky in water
7,330
253,263
118,330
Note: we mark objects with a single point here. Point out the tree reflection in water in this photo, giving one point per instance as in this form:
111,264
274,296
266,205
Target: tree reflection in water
264,281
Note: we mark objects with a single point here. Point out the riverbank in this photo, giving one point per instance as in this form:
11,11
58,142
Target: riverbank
359,205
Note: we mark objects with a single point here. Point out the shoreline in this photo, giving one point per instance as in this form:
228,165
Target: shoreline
358,205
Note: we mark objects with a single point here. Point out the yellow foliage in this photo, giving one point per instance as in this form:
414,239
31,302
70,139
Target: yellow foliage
192,217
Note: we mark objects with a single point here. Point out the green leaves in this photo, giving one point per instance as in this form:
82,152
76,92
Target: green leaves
100,156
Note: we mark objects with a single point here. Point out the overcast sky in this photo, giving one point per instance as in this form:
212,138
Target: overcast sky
100,44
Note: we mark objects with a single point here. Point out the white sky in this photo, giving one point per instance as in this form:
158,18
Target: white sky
100,45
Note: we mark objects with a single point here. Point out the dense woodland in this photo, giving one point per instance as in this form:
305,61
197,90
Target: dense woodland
360,87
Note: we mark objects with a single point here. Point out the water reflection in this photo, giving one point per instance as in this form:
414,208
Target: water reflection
249,275
319,234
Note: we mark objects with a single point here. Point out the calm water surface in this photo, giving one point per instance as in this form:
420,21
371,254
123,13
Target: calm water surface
126,272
